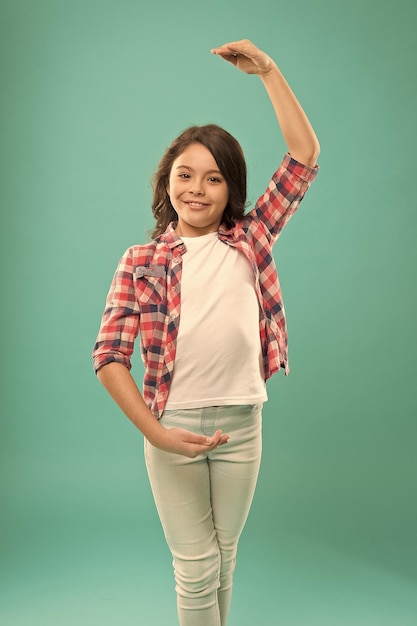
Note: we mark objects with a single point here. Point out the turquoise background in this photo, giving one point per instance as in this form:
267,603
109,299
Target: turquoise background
91,94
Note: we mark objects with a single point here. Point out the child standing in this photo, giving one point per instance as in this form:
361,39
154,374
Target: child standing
205,297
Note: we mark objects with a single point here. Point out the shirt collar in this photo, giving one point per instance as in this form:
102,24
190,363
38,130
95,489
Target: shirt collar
170,237
173,240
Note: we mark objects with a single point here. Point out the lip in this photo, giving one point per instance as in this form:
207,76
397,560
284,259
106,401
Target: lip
195,205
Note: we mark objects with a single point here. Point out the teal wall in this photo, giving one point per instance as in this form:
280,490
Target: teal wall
91,94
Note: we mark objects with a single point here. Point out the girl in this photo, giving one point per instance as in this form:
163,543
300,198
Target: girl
205,297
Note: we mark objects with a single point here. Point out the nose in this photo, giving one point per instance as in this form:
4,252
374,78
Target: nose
196,188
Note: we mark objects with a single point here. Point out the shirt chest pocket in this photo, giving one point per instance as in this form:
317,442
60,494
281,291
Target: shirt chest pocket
151,284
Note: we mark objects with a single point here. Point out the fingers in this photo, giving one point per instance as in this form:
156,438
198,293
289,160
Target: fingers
225,53
200,444
233,48
218,439
231,58
180,441
208,443
245,56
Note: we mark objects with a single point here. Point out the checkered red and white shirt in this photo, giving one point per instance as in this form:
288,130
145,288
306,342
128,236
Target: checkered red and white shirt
145,294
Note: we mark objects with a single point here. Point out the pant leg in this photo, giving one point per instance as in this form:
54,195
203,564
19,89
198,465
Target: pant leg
181,489
234,470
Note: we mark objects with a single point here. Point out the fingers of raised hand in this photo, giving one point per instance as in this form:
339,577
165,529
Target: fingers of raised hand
245,56
233,48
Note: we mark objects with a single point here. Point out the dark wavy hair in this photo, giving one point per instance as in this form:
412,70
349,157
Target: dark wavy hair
230,160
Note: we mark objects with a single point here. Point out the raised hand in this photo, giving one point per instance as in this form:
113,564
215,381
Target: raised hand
298,133
245,56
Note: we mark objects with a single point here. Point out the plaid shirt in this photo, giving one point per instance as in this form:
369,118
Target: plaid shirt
145,295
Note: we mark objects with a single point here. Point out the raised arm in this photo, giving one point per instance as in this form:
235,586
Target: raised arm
297,131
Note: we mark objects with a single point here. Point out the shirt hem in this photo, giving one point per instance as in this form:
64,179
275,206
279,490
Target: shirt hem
201,404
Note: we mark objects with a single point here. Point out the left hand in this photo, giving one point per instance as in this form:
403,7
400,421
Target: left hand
245,56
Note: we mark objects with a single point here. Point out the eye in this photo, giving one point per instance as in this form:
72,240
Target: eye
184,175
214,179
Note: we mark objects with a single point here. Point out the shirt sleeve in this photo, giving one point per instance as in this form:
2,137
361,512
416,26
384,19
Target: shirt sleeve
283,195
120,322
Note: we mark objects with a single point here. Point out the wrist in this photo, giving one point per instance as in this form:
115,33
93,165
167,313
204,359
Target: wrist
156,434
271,73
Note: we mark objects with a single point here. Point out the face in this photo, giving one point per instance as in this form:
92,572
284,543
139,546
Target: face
198,192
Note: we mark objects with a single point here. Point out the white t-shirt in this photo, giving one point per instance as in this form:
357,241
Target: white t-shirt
219,356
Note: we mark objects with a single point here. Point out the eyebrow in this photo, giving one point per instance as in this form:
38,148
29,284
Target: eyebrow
187,167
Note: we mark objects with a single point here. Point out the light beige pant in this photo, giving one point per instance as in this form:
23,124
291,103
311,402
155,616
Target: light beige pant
203,504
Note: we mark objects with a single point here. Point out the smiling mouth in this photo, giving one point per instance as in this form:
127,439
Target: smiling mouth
196,205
